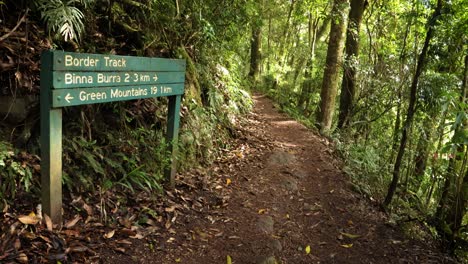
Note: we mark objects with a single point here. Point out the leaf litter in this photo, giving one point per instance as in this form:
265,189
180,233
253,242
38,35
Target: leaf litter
203,219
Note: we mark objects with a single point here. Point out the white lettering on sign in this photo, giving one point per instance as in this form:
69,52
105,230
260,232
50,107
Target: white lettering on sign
117,93
78,62
103,78
121,63
71,78
92,96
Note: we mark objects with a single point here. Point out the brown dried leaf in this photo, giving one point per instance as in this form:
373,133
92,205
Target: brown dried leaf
124,241
70,233
170,209
109,234
17,244
22,258
127,232
121,250
137,236
46,239
151,222
168,224
88,209
78,249
72,222
48,222
29,219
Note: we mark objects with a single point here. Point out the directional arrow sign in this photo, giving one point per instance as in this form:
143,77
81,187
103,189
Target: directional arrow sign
69,79
68,97
80,96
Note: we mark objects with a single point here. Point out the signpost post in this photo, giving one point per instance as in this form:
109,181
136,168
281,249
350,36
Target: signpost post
69,79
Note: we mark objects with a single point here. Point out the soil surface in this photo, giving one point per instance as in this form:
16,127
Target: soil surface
278,196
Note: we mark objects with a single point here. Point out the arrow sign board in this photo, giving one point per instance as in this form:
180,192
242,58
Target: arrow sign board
70,79
78,96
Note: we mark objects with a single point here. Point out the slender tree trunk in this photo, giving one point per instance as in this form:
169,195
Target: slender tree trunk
412,103
403,77
451,215
422,149
286,32
459,206
255,55
396,129
269,45
305,90
348,86
332,66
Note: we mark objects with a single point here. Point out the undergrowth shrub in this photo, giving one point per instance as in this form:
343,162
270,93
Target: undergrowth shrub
15,174
364,166
206,130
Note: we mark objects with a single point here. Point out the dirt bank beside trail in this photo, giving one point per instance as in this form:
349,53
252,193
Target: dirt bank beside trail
279,197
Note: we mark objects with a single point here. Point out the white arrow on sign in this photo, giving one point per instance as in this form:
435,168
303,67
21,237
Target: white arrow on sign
68,97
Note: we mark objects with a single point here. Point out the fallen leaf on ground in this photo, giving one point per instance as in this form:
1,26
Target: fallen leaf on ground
22,258
30,219
48,222
307,249
228,259
72,223
228,181
137,236
261,211
109,234
347,245
88,209
348,235
170,209
70,233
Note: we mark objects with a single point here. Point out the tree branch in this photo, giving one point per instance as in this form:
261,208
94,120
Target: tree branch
2,38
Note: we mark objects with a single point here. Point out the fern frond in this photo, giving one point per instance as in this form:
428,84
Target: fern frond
63,17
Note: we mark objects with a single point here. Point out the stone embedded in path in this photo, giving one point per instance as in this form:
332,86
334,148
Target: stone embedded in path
300,174
290,185
265,224
281,158
275,245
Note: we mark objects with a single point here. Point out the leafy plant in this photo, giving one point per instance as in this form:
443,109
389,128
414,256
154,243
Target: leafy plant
14,176
63,17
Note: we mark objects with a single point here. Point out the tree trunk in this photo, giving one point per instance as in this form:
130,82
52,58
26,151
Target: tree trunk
412,103
348,86
286,32
255,55
332,66
457,207
315,33
422,149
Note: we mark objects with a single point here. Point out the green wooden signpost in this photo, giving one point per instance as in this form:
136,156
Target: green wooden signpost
69,79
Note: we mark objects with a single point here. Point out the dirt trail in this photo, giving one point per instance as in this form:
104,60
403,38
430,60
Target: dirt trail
279,194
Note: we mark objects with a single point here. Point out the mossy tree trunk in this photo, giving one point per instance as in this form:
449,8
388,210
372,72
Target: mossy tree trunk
332,66
348,86
255,52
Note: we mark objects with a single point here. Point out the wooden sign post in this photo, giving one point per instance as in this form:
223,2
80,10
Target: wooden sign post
69,79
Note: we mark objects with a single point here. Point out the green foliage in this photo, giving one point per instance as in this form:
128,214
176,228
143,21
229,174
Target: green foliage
135,163
63,17
366,169
14,175
206,130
